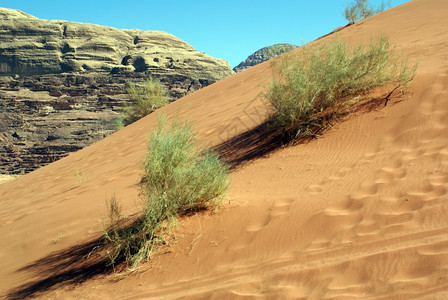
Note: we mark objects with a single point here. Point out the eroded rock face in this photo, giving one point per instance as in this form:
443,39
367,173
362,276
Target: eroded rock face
62,84
31,46
262,55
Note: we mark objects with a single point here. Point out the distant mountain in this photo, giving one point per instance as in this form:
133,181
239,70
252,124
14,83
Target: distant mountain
262,55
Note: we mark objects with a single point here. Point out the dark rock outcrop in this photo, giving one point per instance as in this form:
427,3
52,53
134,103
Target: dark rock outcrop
62,84
262,55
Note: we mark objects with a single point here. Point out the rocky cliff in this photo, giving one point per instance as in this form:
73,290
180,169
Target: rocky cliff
62,84
31,46
262,55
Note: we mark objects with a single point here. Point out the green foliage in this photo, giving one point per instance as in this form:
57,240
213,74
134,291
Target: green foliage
178,175
311,88
352,14
178,178
146,98
361,9
119,123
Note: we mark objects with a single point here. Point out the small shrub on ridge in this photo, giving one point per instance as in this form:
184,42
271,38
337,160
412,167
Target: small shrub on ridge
311,88
146,98
360,9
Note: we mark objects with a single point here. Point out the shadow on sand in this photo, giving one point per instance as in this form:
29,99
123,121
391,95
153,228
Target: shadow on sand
253,144
263,139
70,266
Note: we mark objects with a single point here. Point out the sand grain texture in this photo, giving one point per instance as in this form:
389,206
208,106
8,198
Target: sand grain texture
360,213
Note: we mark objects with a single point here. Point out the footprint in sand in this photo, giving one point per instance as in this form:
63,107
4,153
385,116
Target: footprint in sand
391,174
277,209
338,175
338,220
315,188
281,207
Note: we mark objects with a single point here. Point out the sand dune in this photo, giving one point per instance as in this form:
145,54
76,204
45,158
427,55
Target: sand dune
360,213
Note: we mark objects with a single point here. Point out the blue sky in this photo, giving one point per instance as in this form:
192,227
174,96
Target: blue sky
227,29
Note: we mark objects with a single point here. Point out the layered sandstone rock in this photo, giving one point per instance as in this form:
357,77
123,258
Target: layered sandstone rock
62,84
31,46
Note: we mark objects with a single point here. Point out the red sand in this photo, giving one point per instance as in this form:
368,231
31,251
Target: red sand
360,213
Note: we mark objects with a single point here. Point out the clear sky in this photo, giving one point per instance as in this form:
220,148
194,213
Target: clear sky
228,29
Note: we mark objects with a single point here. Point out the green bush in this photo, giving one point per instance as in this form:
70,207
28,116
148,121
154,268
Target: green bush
311,88
178,178
119,123
361,9
145,99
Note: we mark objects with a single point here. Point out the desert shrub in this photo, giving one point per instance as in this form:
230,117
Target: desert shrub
119,123
178,178
129,241
361,9
145,99
312,87
351,14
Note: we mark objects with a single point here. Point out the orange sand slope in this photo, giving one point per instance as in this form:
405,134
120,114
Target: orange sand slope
359,213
